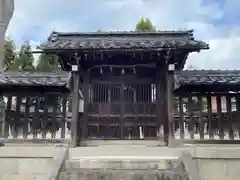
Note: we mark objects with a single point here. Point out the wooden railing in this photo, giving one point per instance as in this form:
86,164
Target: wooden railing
207,117
38,116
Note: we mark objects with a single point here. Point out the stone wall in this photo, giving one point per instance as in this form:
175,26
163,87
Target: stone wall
220,162
27,163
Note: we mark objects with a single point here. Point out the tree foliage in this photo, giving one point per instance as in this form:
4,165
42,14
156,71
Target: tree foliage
145,25
9,54
24,60
47,63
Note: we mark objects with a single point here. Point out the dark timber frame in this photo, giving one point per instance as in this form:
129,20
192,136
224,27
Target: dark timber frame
212,105
127,80
35,107
205,105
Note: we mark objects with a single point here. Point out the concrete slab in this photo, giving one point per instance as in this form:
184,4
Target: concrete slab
127,152
29,152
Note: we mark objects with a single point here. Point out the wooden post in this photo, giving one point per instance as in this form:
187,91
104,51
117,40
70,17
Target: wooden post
162,100
75,107
209,107
170,83
165,104
191,121
54,116
229,116
64,110
220,117
17,116
201,119
45,115
122,111
238,111
159,102
36,118
7,117
26,121
84,121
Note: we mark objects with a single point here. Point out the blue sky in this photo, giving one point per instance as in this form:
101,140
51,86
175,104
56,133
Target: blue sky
214,21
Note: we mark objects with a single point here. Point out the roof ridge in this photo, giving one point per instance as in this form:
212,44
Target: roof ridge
183,33
128,32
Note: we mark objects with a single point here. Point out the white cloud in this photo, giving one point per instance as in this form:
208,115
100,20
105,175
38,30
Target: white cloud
34,20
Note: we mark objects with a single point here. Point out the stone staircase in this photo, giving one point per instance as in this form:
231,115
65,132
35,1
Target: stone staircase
124,168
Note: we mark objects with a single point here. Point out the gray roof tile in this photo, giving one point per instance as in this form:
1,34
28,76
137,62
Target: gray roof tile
33,79
123,40
183,78
208,77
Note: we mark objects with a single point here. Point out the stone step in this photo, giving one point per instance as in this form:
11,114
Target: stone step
122,162
106,174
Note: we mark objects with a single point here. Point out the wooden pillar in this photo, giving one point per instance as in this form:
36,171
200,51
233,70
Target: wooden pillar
191,122
220,117
163,102
45,115
122,111
8,116
238,111
64,111
209,111
26,120
84,119
229,116
159,102
201,118
75,106
36,118
181,120
17,116
54,117
170,84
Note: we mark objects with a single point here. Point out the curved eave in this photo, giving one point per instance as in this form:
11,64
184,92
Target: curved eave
190,49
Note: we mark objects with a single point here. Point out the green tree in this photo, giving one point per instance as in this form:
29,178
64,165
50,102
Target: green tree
9,54
24,60
145,25
47,63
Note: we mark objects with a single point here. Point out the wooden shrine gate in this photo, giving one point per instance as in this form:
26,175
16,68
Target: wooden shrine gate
122,109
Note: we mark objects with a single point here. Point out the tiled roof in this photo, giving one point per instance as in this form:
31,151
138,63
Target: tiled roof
208,77
33,79
123,40
183,78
